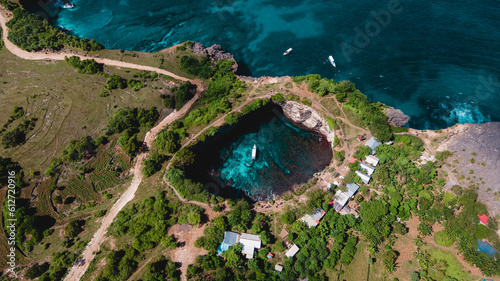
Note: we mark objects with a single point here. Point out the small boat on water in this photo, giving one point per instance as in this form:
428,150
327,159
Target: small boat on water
332,61
287,51
68,6
254,151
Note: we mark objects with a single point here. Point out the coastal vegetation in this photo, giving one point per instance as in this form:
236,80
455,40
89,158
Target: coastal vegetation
32,33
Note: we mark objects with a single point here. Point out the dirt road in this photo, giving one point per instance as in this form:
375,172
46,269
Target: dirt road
88,255
60,55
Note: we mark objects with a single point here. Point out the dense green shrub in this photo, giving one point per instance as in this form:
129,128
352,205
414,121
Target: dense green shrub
186,187
18,135
153,164
162,268
180,95
116,82
167,141
191,65
73,228
147,222
443,238
85,66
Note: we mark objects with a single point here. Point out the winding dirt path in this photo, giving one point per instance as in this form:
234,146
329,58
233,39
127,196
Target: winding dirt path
4,18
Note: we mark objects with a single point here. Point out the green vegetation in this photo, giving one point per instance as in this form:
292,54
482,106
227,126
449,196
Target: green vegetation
345,92
31,33
18,135
17,113
161,269
191,65
180,95
119,265
153,164
145,223
331,123
443,239
443,155
85,66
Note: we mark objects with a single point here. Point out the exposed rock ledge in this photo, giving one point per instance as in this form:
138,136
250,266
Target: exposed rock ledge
396,117
481,143
308,117
215,53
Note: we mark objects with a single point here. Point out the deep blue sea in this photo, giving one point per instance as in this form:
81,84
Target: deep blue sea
437,60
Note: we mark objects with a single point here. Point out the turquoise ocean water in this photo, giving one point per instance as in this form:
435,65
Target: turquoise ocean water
437,60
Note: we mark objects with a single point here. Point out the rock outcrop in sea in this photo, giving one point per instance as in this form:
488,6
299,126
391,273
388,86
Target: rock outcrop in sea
215,53
396,117
308,117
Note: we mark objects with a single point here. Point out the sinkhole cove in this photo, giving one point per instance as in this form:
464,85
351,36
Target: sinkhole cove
288,155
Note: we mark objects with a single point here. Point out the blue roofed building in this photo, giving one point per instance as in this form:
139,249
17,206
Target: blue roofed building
372,143
230,239
486,248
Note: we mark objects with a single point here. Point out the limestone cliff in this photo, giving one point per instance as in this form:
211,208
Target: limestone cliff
396,117
308,117
215,53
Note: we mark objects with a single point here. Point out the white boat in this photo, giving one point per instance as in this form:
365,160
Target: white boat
254,151
287,51
332,61
68,6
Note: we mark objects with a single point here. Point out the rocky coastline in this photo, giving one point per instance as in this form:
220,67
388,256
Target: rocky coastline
215,53
307,117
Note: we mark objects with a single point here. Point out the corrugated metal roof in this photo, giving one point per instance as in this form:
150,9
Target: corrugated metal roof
230,238
292,251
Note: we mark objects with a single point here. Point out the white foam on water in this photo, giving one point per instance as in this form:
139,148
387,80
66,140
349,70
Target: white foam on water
464,113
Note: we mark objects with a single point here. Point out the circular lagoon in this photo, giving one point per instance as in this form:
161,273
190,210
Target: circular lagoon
285,155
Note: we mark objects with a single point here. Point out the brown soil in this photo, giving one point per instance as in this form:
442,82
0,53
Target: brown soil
186,254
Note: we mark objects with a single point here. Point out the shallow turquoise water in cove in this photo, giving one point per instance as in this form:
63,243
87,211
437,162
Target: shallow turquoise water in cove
287,156
437,60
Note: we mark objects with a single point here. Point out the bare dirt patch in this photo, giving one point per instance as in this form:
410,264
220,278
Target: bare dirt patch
186,254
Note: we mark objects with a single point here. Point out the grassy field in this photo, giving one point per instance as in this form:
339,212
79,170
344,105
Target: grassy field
165,59
67,105
453,267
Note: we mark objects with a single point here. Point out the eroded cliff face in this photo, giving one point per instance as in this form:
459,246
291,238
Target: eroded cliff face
308,117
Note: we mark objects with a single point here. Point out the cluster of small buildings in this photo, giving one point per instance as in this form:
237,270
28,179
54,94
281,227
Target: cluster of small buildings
250,242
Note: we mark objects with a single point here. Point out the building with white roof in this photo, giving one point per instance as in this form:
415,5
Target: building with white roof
364,178
372,160
313,219
341,197
369,169
292,251
250,242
